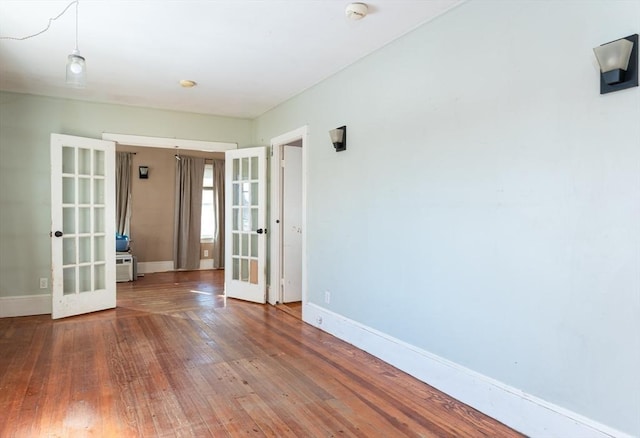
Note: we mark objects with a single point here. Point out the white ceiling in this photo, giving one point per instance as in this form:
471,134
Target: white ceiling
246,56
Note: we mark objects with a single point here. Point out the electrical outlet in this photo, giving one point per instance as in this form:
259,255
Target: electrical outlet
44,283
319,320
327,296
206,253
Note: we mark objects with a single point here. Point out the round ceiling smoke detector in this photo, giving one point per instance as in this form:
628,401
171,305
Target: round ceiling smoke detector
186,83
356,11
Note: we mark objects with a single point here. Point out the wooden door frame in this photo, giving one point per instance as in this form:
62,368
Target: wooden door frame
275,210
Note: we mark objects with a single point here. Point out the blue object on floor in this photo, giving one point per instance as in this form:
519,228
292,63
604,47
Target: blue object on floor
122,243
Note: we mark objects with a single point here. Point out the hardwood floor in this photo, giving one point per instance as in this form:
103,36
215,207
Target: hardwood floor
294,309
177,359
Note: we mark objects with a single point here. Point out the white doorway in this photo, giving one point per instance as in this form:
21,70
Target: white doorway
177,146
288,218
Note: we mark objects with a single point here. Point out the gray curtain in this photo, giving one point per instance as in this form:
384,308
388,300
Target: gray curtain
123,192
218,213
188,212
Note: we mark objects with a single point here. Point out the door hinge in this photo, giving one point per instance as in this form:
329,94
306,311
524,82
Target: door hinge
281,163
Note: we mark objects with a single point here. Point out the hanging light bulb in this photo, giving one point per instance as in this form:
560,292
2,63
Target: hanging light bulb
76,68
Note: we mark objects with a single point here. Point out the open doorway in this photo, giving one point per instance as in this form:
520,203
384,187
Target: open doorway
288,220
152,201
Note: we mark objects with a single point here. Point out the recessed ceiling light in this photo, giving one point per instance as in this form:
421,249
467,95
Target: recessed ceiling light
186,83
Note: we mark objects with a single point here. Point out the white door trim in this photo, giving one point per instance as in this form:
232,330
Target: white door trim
275,288
169,143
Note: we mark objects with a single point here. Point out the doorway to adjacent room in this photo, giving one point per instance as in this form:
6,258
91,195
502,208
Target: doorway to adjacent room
288,221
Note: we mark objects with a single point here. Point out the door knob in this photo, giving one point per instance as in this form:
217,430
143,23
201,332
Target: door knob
58,234
260,231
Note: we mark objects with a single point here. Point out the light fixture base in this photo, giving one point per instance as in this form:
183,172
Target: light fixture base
614,76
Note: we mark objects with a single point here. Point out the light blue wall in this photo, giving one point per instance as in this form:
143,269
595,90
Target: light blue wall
487,209
26,123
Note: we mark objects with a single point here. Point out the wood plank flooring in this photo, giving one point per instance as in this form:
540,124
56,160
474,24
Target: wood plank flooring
175,359
294,309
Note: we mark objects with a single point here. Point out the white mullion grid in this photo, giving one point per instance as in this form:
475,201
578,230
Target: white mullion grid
79,235
253,212
252,207
237,206
92,202
93,215
76,199
66,236
246,178
246,234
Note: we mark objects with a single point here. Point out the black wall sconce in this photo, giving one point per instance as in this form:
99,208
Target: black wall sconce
143,172
618,62
339,138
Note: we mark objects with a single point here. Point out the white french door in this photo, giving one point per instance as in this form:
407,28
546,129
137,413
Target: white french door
245,224
82,225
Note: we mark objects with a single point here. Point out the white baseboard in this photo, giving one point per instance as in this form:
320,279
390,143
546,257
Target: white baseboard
521,411
150,267
165,266
206,263
25,306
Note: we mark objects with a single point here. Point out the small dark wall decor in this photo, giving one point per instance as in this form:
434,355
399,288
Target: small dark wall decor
143,172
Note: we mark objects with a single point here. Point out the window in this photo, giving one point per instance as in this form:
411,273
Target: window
207,221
